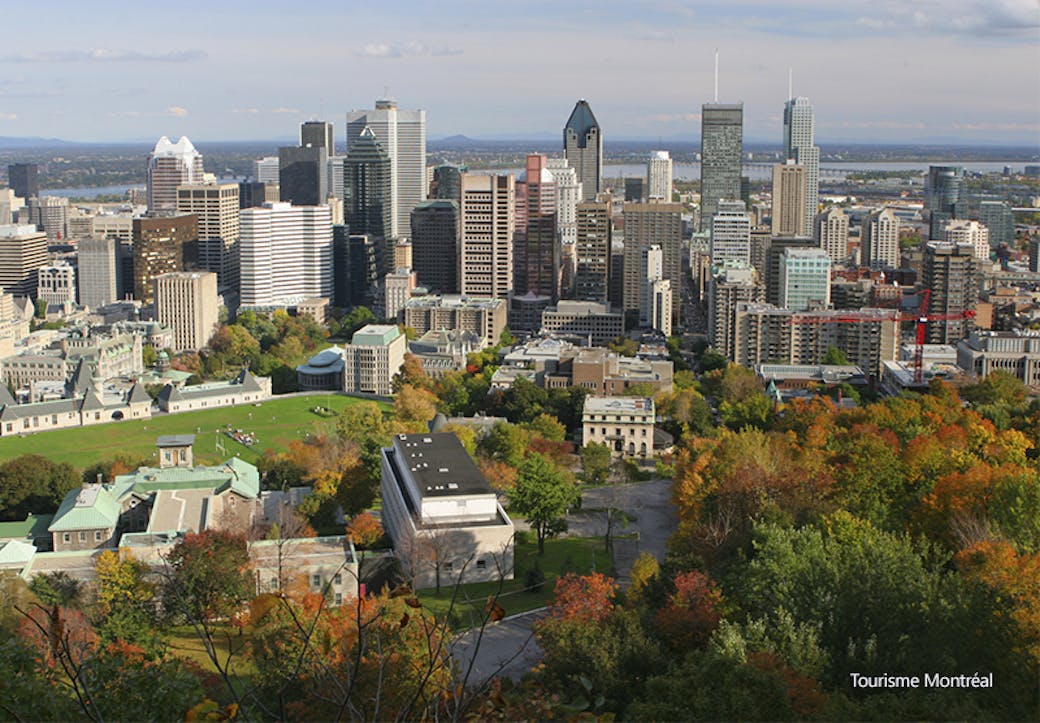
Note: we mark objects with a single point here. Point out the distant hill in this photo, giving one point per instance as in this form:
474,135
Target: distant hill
34,142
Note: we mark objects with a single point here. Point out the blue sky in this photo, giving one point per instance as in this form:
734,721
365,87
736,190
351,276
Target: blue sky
877,70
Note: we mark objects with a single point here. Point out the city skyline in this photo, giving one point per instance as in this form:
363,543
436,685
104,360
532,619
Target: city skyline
887,72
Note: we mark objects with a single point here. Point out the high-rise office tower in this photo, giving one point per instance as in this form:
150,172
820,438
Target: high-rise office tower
536,250
285,254
1034,254
435,245
446,183
187,303
171,165
831,233
23,250
778,245
265,170
303,175
592,252
635,190
653,270
799,146
98,271
367,192
488,217
158,248
951,274
216,207
805,279
402,134
336,176
731,234
318,134
971,232
722,149
789,199
24,180
999,219
944,197
879,240
649,224
583,149
659,176
51,215
568,196
734,283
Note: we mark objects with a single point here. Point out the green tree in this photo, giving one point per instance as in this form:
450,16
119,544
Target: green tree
835,356
33,483
149,355
543,494
126,600
547,427
595,463
506,443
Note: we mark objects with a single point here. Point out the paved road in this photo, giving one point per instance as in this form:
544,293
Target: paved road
506,649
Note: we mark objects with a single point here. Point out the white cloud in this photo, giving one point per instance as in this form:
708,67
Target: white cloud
412,49
8,116
260,111
104,55
176,110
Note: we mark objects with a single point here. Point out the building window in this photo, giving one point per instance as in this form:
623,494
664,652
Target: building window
97,535
66,537
338,579
82,536
481,564
272,584
316,581
339,598
447,567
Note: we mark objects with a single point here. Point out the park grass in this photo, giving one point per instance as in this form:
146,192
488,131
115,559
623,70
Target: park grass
580,555
184,643
274,422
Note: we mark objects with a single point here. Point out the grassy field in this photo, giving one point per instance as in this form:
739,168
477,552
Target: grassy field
275,423
580,555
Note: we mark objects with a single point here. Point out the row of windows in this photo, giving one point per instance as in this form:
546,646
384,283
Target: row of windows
67,536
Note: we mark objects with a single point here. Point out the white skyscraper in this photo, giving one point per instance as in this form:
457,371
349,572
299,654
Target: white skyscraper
402,134
568,196
799,145
659,176
265,170
730,233
962,231
285,253
171,165
831,233
879,243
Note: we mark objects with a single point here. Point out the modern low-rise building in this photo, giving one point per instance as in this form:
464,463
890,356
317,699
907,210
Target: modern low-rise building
374,355
484,316
1014,352
594,323
625,424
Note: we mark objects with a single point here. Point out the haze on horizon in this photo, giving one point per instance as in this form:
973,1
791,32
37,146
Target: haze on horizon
942,71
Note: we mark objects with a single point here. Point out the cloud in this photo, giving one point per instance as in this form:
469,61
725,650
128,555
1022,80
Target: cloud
996,126
8,116
176,110
386,50
262,111
104,55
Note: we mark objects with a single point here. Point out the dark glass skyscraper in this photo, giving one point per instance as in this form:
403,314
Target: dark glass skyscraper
367,200
435,245
722,148
303,175
583,149
318,134
23,178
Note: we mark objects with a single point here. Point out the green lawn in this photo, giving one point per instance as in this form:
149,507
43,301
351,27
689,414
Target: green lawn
569,554
185,643
275,423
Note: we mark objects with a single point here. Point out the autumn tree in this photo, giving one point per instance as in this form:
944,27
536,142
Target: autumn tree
126,600
543,494
414,407
364,530
595,463
208,575
692,611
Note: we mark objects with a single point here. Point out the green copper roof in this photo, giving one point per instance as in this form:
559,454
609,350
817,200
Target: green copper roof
375,335
88,508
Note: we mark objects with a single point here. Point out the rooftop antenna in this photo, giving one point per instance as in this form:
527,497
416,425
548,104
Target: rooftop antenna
790,83
716,75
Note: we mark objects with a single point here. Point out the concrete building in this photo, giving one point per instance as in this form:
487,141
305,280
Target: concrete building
568,195
98,275
624,424
1015,352
171,165
951,274
778,245
435,245
303,175
789,208
23,250
56,285
606,373
722,151
799,146
592,251
265,170
730,233
589,321
646,225
285,254
368,203
50,214
999,219
372,358
488,216
246,388
583,149
536,248
159,248
659,177
187,302
398,286
879,240
441,514
402,134
969,232
831,233
733,283
319,134
215,206
484,316
805,279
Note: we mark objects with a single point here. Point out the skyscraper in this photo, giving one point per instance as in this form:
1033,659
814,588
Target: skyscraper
831,233
592,252
805,279
402,134
722,149
98,273
50,214
318,134
970,232
799,146
999,219
731,234
187,303
488,217
23,178
649,224
265,170
303,175
659,176
23,250
951,274
879,244
171,165
789,208
944,197
435,245
285,253
159,249
583,149
536,251
367,197
216,208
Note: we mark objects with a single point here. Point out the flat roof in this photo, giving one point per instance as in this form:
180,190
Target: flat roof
440,465
619,404
175,440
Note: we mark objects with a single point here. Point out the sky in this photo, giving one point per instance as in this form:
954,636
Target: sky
939,71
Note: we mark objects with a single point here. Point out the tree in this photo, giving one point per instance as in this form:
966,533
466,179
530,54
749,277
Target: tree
543,494
506,443
208,575
364,530
149,355
126,600
595,463
547,427
414,407
835,356
33,483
